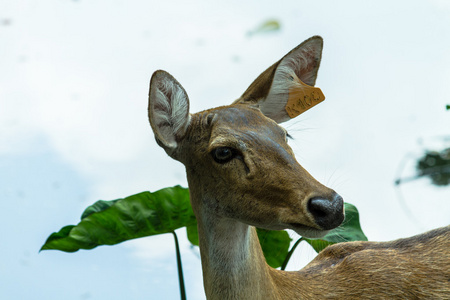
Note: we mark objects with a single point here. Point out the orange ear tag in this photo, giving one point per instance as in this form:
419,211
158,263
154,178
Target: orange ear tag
303,98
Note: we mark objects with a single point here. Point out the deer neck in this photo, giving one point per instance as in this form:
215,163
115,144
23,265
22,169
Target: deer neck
232,260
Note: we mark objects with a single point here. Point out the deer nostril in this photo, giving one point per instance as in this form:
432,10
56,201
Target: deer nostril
319,207
327,213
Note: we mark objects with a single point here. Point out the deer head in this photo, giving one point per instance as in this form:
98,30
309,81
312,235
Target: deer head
238,162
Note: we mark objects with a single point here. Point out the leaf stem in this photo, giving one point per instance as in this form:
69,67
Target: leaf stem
288,256
180,268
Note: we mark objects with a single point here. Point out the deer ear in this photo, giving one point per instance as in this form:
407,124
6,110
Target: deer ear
270,91
168,109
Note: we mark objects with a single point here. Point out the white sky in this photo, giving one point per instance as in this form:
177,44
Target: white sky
73,121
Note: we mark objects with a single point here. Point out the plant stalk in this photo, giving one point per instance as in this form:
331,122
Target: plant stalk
288,256
180,268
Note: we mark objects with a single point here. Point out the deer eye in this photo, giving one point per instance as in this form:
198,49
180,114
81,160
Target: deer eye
223,154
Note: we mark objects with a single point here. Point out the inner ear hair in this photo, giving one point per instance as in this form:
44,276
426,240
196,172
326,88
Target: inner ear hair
168,109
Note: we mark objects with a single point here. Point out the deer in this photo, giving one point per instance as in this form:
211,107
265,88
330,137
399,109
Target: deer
242,174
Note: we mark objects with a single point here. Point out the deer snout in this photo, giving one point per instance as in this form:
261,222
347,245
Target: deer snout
327,213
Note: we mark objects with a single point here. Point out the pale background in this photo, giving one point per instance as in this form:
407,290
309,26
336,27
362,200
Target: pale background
73,121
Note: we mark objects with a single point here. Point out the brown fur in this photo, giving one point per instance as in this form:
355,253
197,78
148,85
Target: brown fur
413,268
264,186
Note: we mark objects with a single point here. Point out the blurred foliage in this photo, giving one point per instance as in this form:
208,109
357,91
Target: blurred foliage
268,26
436,166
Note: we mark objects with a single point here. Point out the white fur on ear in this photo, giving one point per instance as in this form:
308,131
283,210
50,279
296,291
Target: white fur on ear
168,109
301,63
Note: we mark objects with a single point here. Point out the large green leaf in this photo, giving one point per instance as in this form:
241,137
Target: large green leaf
112,222
350,230
275,246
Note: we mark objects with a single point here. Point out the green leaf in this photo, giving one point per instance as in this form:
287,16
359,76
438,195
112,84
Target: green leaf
275,246
192,234
98,206
112,222
350,230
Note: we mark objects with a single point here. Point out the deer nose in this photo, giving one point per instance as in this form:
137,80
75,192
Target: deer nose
328,214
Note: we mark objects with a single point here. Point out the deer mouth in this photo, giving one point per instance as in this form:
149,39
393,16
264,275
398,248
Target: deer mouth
307,231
